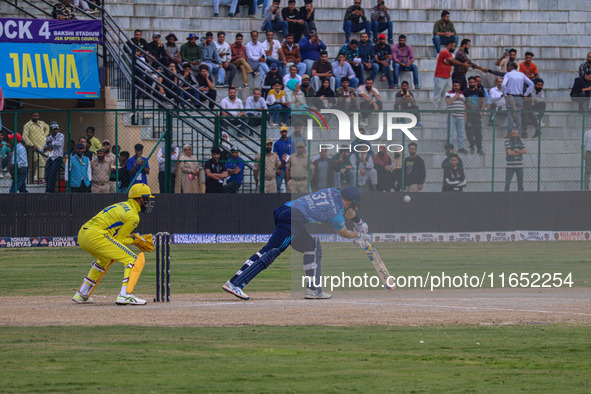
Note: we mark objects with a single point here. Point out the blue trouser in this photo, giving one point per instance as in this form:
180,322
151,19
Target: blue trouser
52,170
279,179
289,227
285,113
349,26
279,63
232,3
374,71
217,70
459,125
387,72
514,107
438,41
22,176
353,82
413,67
276,27
379,27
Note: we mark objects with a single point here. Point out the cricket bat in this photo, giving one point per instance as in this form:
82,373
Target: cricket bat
380,267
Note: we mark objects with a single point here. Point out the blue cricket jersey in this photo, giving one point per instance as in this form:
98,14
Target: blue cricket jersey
323,206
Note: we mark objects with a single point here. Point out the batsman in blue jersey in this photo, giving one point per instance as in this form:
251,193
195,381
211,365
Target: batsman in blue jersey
323,206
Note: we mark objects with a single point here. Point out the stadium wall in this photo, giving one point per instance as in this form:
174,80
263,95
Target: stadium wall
32,215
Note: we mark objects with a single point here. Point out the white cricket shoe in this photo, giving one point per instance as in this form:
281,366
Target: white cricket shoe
129,299
80,299
317,294
235,290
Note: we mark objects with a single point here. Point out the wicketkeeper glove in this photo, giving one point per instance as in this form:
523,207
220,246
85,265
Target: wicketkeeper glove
362,241
360,227
145,243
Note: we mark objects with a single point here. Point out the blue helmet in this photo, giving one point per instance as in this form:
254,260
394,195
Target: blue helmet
351,193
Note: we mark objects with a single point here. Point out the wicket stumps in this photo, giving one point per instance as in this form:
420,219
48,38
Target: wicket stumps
162,267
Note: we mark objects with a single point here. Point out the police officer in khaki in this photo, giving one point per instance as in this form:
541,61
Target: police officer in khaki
297,170
101,172
273,166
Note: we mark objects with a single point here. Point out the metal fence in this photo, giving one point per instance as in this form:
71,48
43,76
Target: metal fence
554,159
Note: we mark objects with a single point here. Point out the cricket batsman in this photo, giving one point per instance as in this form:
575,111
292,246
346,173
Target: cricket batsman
105,237
323,206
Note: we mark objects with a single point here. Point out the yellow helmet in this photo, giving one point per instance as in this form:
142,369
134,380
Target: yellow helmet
141,190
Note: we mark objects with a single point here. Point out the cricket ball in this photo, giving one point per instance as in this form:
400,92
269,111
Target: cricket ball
406,198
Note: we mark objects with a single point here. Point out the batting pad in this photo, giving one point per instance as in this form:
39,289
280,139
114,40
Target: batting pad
136,271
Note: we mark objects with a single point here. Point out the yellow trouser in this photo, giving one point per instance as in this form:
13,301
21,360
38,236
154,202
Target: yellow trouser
104,248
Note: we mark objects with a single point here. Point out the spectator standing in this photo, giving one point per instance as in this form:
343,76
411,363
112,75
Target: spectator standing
497,99
366,172
581,90
172,50
19,160
206,87
509,56
134,165
255,104
292,56
512,86
273,166
367,55
475,104
35,134
585,66
191,53
161,158
100,172
188,172
534,103
215,172
414,170
342,69
310,49
322,69
528,67
255,55
54,150
443,72
277,102
307,15
343,169
456,106
272,19
87,151
5,153
273,52
297,169
123,177
211,59
239,59
94,143
454,179
235,167
225,54
324,168
449,150
79,173
230,104
385,170
297,136
405,101
403,58
515,150
294,20
282,147
460,70
355,20
216,7
444,32
587,157
346,96
383,56
380,21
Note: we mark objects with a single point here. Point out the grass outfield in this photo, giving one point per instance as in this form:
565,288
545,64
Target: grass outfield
296,359
204,268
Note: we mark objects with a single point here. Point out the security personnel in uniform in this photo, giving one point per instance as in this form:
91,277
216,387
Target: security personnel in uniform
273,166
105,237
297,170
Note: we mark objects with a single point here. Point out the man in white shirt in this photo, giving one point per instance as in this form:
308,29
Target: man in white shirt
512,88
292,74
225,53
255,55
497,101
254,103
370,99
274,53
161,157
232,103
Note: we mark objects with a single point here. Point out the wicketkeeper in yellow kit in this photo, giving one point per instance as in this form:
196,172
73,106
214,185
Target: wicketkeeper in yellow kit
105,236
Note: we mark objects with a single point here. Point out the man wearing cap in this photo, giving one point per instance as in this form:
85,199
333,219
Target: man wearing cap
255,55
383,56
172,50
306,88
271,78
273,166
283,149
54,150
310,48
79,173
94,142
191,52
109,155
380,21
215,172
100,172
296,171
324,206
235,167
156,49
35,133
21,167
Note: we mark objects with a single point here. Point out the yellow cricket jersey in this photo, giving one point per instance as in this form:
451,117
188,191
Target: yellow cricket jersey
117,220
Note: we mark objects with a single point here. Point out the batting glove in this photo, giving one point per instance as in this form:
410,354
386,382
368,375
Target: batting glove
361,227
362,241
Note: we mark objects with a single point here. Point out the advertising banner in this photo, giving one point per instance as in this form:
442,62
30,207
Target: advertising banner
50,31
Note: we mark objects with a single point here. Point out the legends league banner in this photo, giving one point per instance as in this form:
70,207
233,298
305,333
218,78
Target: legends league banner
38,71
